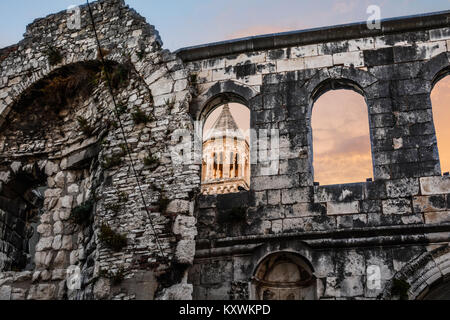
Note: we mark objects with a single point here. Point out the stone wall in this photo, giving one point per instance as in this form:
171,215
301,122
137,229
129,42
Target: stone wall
71,145
402,214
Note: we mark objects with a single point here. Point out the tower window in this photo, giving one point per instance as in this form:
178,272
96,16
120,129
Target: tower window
226,138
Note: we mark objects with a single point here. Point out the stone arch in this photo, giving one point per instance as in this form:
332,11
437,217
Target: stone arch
267,262
431,73
29,80
422,274
220,93
435,69
325,80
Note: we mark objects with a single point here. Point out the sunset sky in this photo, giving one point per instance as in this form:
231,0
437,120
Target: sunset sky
440,98
337,114
340,124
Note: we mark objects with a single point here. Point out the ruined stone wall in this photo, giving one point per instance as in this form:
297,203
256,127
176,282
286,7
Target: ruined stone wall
341,230
70,144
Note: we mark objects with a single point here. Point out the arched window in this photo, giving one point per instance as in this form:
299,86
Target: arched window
341,138
440,97
226,136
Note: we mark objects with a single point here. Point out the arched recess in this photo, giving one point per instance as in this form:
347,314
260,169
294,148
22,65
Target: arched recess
29,78
284,276
293,255
440,102
44,146
426,277
361,144
230,156
21,205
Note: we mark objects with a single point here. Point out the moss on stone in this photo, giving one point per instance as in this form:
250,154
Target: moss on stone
111,239
81,214
54,56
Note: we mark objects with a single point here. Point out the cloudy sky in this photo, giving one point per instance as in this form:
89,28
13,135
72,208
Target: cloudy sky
337,114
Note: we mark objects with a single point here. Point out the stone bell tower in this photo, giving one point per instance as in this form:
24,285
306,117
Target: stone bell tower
226,157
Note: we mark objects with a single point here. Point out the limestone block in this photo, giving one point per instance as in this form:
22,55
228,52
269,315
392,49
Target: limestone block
66,202
437,217
361,44
42,292
429,203
5,293
51,168
434,185
290,64
185,251
162,86
440,34
318,62
67,243
352,287
73,188
402,188
16,166
222,74
397,206
60,179
57,242
178,206
335,208
277,226
186,227
274,182
305,51
58,228
178,292
355,59
295,195
44,244
102,289
45,230
246,58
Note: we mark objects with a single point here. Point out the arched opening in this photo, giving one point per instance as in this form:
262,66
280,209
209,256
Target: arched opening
341,136
226,149
440,98
21,205
439,291
284,276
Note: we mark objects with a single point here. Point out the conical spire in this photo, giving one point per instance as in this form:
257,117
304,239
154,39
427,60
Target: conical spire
225,125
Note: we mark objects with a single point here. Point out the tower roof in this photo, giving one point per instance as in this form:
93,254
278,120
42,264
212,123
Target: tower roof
225,125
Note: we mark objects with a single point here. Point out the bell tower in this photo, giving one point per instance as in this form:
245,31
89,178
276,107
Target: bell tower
226,157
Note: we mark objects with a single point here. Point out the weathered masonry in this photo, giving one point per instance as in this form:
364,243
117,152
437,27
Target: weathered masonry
73,224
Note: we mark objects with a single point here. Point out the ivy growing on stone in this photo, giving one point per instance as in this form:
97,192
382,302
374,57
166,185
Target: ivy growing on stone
400,289
114,160
170,103
53,55
115,277
163,204
152,161
85,127
140,117
81,214
111,239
